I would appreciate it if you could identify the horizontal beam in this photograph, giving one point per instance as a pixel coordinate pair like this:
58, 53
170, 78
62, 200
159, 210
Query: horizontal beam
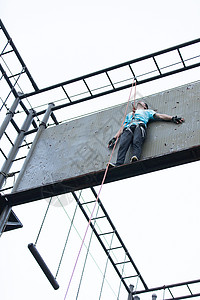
116, 67
95, 178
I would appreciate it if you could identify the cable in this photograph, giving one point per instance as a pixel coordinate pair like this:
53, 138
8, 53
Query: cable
43, 221
104, 275
122, 274
103, 237
90, 241
67, 236
104, 177
89, 252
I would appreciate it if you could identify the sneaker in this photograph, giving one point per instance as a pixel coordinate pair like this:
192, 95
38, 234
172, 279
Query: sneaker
111, 165
133, 159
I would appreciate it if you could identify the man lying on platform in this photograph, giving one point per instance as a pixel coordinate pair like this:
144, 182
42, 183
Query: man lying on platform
134, 129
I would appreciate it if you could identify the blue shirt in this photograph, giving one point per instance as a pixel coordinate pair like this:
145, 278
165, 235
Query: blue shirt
142, 116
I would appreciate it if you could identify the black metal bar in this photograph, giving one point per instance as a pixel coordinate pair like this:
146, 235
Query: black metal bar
184, 297
18, 74
170, 292
189, 289
8, 81
114, 248
66, 94
89, 202
26, 111
123, 262
7, 52
96, 218
133, 73
18, 56
4, 215
2, 52
110, 80
3, 153
26, 145
54, 118
31, 131
126, 277
111, 232
87, 87
6, 189
181, 57
20, 158
157, 65
8, 138
15, 125
43, 266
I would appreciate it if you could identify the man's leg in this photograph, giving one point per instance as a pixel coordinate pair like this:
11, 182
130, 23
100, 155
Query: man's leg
138, 139
125, 141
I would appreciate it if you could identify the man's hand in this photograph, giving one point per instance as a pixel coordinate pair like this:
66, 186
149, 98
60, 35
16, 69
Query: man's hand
177, 120
111, 143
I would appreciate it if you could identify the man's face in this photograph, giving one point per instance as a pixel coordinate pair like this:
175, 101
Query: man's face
141, 104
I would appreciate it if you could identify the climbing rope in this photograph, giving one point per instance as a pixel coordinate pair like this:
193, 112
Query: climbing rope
103, 180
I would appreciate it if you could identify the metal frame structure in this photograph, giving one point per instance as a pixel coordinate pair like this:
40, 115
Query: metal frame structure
90, 86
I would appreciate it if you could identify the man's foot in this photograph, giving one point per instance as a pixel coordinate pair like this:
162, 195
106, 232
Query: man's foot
111, 165
133, 159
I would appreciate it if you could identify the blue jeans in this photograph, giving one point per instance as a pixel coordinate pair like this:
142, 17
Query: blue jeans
135, 136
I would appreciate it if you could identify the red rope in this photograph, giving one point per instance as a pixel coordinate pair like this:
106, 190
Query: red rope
103, 180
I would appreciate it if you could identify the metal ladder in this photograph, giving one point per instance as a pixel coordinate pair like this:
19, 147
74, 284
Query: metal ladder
119, 245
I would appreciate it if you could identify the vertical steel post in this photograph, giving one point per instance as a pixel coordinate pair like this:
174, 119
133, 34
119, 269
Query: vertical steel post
7, 165
9, 116
42, 126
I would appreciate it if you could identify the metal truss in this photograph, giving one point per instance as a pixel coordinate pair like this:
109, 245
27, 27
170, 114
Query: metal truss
113, 79
177, 291
116, 78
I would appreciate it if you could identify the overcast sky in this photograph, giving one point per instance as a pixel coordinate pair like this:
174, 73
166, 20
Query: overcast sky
157, 215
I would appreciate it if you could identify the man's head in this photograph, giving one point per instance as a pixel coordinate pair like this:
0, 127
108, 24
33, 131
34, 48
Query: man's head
141, 105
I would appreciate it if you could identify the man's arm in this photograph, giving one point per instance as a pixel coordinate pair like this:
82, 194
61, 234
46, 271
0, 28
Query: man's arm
119, 132
165, 117
117, 135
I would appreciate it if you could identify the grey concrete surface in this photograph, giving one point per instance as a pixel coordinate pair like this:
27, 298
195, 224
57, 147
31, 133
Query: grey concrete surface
80, 146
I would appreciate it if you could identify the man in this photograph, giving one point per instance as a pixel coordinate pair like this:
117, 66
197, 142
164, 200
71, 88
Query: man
133, 131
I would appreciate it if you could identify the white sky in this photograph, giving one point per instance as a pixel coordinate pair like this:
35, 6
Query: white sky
157, 215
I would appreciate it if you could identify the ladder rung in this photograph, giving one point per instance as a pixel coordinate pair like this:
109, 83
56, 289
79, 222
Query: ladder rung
157, 65
129, 276
106, 233
114, 248
123, 262
18, 74
7, 52
98, 218
88, 202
